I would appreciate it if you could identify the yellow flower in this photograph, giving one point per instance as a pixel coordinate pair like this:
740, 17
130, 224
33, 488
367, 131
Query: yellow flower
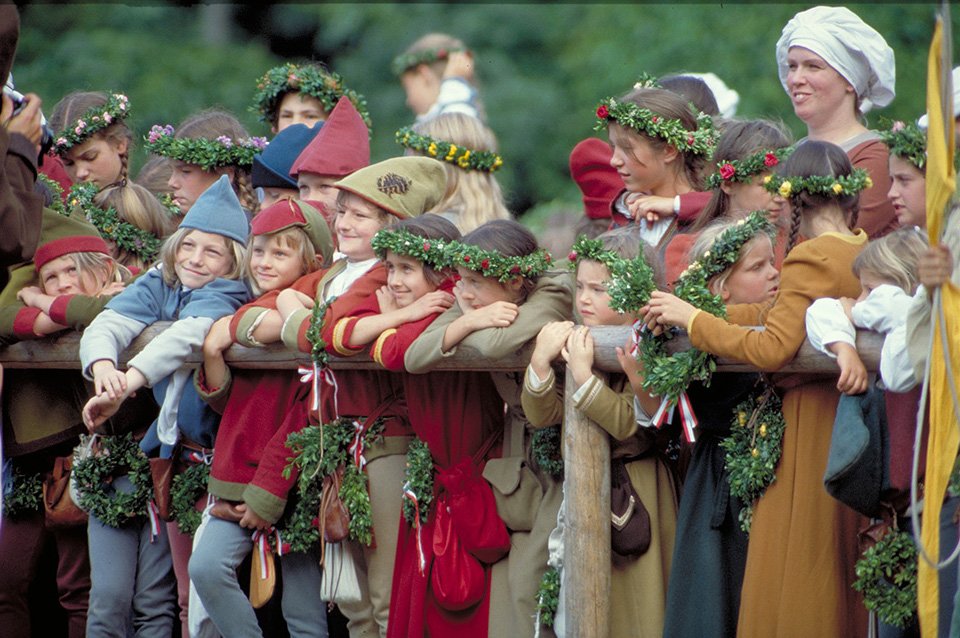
432, 149
452, 152
767, 178
464, 160
837, 188
742, 418
868, 182
785, 189
763, 429
754, 452
497, 163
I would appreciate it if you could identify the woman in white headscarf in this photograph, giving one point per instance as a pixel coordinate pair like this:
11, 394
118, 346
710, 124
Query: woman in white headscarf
835, 67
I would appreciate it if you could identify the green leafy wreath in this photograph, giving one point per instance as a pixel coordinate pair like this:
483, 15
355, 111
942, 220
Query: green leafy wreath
672, 131
906, 140
406, 61
317, 451
56, 194
185, 490
631, 280
459, 156
831, 185
23, 494
403, 242
419, 479
753, 450
743, 170
141, 243
548, 597
887, 578
117, 455
205, 153
93, 120
490, 263
545, 448
314, 334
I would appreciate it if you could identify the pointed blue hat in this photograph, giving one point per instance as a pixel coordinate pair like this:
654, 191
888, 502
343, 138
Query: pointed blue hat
218, 211
271, 168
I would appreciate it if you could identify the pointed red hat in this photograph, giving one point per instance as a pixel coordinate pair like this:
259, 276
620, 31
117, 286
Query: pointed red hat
341, 147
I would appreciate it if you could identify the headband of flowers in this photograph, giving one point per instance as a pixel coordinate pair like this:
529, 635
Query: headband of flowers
631, 280
742, 170
647, 81
309, 79
724, 252
490, 263
91, 121
642, 120
402, 242
833, 186
449, 152
407, 61
205, 153
908, 141
56, 194
125, 235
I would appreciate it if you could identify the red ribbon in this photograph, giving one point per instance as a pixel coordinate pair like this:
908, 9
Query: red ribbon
409, 495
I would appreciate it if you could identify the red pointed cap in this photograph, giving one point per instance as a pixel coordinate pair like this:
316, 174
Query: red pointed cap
341, 147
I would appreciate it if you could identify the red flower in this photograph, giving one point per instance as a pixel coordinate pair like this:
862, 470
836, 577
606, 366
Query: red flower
484, 264
548, 258
466, 259
603, 112
727, 171
426, 246
770, 160
654, 119
515, 270
690, 140
572, 256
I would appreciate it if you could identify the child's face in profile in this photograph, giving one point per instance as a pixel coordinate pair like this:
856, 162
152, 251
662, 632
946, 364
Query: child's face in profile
422, 87
356, 223
61, 276
478, 291
869, 281
907, 192
642, 167
593, 300
188, 181
201, 258
754, 279
406, 279
274, 263
299, 108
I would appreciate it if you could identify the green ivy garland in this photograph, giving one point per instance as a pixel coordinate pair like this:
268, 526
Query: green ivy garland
887, 578
205, 153
93, 120
141, 243
742, 170
832, 185
418, 476
545, 448
753, 450
185, 490
459, 156
403, 242
631, 280
490, 263
407, 61
642, 120
314, 334
56, 194
118, 455
907, 140
22, 494
548, 597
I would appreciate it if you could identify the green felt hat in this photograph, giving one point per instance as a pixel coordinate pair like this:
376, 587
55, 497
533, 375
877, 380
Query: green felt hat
403, 186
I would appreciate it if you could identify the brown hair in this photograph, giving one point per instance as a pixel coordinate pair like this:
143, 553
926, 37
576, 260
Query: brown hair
434, 41
430, 226
509, 238
154, 175
627, 244
693, 90
70, 108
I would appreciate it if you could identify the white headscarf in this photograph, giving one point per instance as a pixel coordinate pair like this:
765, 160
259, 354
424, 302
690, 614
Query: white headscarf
727, 99
848, 44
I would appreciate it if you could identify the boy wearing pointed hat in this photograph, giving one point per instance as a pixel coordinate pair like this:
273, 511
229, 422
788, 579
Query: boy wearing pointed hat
271, 168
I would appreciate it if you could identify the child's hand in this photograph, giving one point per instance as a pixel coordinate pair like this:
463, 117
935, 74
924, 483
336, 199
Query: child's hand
935, 267
665, 309
97, 410
847, 304
550, 341
29, 295
853, 375
107, 379
388, 303
218, 339
649, 207
579, 354
251, 520
429, 304
113, 288
499, 314
631, 366
290, 300
459, 65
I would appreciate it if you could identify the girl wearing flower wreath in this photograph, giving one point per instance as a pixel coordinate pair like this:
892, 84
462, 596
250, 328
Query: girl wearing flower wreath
504, 297
437, 74
92, 139
710, 552
42, 415
660, 148
203, 148
746, 152
908, 173
835, 67
803, 545
469, 153
302, 94
260, 409
638, 581
196, 282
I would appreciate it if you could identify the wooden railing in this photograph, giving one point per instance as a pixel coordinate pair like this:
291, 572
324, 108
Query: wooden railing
586, 445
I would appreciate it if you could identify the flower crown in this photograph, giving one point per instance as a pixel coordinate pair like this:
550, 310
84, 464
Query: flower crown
831, 185
407, 61
205, 153
699, 142
464, 158
491, 263
402, 242
631, 280
647, 81
56, 192
308, 79
91, 121
743, 170
141, 243
908, 141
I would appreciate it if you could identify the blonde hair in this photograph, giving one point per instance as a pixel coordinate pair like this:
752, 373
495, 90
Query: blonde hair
211, 124
168, 256
101, 266
473, 196
69, 109
139, 207
704, 242
295, 239
894, 258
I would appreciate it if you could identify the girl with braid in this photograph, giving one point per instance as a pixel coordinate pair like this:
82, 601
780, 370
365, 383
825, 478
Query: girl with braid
92, 140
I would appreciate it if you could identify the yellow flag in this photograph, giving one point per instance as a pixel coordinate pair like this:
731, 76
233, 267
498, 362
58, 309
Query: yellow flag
944, 437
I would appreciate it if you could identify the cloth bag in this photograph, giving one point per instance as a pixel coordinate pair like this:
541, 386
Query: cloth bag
333, 515
457, 578
59, 508
630, 532
340, 582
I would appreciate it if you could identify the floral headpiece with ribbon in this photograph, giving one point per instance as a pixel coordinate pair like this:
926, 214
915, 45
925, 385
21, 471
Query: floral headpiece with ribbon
408, 61
834, 186
490, 263
309, 79
205, 153
91, 121
907, 140
642, 120
125, 235
742, 170
431, 252
449, 152
631, 280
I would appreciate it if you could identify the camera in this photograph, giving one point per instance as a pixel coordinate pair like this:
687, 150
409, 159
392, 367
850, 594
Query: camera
46, 133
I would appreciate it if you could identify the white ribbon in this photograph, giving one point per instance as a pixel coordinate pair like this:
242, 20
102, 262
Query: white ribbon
408, 494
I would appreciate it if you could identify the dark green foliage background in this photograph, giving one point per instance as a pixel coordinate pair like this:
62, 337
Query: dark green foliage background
542, 67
